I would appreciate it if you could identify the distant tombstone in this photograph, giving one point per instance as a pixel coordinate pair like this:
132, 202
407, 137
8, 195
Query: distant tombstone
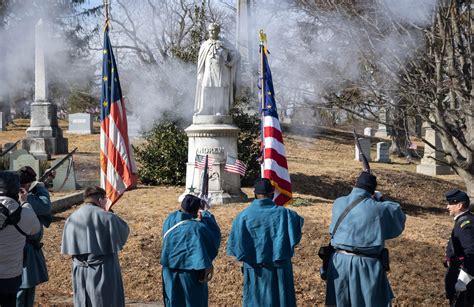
133, 123
26, 160
382, 131
13, 155
65, 179
429, 164
365, 146
80, 123
383, 154
2, 121
368, 131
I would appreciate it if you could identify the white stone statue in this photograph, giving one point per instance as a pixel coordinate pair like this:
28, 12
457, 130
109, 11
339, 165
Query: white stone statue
217, 74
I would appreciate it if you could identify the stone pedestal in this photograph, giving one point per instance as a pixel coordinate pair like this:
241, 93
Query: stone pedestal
215, 136
44, 137
428, 165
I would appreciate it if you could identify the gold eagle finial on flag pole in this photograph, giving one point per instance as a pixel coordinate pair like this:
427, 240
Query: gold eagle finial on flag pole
263, 36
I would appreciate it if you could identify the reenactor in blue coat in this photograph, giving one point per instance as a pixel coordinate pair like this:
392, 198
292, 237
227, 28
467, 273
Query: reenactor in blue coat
191, 239
264, 237
356, 274
35, 271
460, 251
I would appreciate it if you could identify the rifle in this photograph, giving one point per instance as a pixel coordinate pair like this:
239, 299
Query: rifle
204, 195
48, 172
9, 148
365, 162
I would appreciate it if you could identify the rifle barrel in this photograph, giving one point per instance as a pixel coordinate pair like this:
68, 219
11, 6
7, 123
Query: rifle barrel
7, 150
57, 165
365, 162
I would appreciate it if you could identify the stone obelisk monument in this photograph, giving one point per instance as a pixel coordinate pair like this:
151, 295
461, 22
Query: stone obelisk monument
212, 132
244, 42
43, 137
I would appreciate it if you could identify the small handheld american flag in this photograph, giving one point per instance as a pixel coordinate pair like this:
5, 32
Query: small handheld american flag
200, 161
234, 165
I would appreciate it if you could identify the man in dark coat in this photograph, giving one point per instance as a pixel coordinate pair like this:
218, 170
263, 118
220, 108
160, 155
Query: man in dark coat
35, 270
460, 251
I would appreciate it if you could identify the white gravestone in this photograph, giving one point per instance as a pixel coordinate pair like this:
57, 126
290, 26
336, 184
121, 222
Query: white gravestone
14, 154
382, 131
383, 152
134, 127
65, 179
428, 165
26, 160
368, 131
80, 123
365, 146
2, 121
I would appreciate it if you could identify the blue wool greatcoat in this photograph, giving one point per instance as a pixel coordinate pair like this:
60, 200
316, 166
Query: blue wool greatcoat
361, 280
34, 264
188, 248
94, 237
263, 237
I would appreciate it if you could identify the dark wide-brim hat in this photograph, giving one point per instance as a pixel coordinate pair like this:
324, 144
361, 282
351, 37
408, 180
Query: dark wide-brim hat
263, 186
367, 181
455, 196
191, 203
9, 184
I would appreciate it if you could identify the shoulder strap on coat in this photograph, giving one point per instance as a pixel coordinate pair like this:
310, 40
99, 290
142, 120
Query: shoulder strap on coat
174, 227
346, 211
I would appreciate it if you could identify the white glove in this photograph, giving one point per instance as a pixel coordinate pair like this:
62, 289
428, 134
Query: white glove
460, 286
378, 196
463, 279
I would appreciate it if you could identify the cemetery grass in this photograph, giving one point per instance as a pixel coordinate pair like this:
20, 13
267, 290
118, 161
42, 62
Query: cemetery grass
322, 168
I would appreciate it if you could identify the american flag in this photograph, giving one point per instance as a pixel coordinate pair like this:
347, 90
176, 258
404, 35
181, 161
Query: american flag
200, 161
234, 165
117, 164
274, 165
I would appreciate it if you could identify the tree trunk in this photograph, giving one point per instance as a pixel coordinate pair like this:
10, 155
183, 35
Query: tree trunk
469, 182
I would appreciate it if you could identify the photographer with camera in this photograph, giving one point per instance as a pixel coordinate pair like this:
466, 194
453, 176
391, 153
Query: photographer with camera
361, 222
191, 239
35, 270
17, 221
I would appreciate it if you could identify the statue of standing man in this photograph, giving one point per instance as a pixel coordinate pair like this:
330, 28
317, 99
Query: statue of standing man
217, 71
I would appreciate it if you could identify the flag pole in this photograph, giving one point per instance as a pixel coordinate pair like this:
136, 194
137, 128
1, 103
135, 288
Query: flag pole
106, 6
263, 39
